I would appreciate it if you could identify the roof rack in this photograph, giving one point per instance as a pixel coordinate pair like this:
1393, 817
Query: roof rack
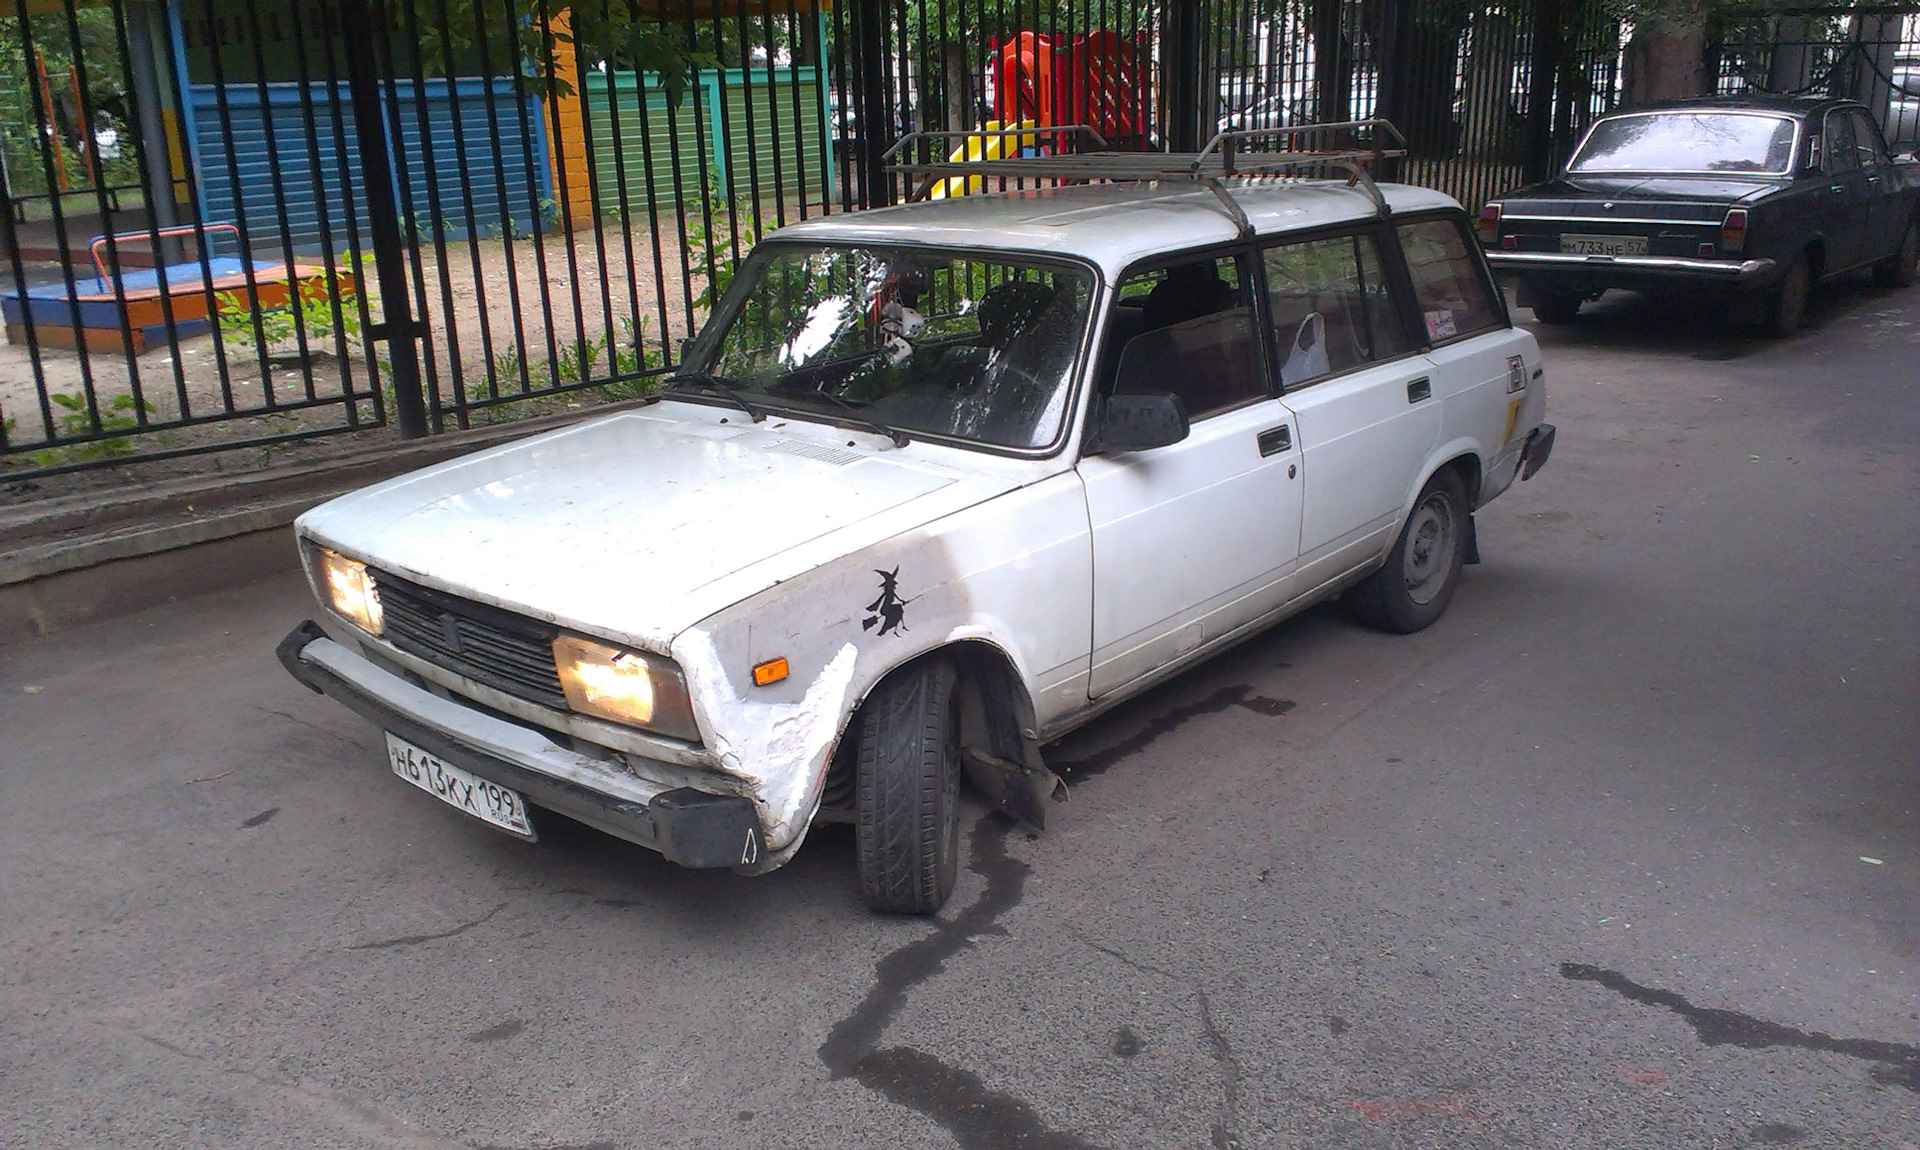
1225, 156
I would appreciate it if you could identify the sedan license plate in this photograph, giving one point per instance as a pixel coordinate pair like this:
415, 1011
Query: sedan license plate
489, 802
1579, 245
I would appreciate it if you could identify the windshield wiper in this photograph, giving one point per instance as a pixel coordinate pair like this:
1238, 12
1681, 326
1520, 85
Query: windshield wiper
702, 383
854, 415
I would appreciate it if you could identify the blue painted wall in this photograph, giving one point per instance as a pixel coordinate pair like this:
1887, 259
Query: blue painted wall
499, 151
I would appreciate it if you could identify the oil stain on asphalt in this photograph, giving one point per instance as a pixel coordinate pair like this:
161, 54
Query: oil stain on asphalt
1898, 1063
980, 1118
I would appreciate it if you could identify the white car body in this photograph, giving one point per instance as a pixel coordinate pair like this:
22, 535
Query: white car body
685, 529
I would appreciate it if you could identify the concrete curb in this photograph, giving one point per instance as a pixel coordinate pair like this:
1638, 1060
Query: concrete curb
74, 559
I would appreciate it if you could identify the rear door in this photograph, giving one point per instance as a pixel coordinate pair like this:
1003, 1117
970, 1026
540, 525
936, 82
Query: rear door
1847, 193
1352, 374
1886, 205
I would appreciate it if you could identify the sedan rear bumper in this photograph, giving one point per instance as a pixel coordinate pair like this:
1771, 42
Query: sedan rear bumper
1630, 268
690, 827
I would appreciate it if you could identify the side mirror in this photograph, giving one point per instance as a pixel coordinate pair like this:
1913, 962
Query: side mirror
1138, 422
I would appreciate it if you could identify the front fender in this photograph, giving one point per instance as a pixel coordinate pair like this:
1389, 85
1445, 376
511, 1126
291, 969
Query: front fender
1014, 573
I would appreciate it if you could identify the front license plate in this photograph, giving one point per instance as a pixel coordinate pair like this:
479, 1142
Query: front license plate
489, 802
1577, 245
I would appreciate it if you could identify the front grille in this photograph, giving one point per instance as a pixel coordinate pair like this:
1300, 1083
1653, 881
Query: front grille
505, 651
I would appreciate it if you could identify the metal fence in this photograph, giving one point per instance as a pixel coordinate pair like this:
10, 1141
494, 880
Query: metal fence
242, 223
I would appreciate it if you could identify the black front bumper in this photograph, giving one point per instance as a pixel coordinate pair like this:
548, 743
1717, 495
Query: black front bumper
690, 827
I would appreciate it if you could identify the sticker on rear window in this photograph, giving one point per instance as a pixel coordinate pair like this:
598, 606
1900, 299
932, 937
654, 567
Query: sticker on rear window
1440, 323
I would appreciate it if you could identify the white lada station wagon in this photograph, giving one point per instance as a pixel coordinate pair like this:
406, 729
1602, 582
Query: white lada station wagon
934, 485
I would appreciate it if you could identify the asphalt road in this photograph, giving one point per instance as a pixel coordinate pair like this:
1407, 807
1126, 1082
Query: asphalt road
1621, 853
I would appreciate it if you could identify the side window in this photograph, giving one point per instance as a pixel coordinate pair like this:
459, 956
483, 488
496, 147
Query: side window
1186, 328
1453, 293
1866, 140
1332, 308
1841, 156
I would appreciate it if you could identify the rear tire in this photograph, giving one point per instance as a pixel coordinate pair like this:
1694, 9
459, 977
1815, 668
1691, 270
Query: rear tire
1555, 308
1787, 302
1897, 270
1414, 587
907, 790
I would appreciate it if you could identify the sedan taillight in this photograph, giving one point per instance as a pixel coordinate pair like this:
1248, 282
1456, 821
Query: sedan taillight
1490, 222
1733, 231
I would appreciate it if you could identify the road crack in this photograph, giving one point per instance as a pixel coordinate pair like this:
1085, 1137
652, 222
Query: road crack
416, 939
1226, 1128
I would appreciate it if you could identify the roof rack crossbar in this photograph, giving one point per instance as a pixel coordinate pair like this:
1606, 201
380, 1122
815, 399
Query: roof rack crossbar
1224, 156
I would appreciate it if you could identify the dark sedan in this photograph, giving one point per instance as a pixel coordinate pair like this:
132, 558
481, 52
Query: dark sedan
1755, 199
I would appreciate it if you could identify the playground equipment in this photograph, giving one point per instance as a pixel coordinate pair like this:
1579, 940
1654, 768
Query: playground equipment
118, 306
1039, 82
991, 142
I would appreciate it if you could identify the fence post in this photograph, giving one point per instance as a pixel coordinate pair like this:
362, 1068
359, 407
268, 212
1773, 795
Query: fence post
870, 102
397, 327
1189, 120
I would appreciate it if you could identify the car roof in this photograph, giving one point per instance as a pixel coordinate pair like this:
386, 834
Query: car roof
1116, 224
1754, 102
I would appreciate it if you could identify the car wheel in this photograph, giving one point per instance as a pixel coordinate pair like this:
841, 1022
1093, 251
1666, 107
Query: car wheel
907, 790
1787, 304
1897, 270
1422, 570
1555, 308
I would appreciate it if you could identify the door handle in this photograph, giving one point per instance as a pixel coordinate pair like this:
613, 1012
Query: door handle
1836, 189
1419, 389
1274, 440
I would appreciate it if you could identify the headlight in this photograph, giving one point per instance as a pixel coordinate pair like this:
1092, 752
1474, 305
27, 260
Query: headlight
349, 590
625, 686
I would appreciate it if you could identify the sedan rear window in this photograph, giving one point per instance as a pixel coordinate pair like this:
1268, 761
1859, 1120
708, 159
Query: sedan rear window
1687, 142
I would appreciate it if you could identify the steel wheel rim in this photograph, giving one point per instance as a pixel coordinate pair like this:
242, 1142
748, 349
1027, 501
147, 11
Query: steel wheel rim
1431, 543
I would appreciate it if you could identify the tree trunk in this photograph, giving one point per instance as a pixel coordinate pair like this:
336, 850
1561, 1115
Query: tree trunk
1487, 114
1663, 58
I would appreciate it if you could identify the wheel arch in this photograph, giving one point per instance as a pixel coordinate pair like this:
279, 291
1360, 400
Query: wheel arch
1816, 253
1463, 457
998, 711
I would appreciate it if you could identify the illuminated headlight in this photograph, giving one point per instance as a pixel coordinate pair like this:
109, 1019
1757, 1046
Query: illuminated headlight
626, 686
349, 590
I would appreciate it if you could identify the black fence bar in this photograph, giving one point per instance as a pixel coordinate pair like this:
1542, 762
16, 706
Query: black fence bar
396, 327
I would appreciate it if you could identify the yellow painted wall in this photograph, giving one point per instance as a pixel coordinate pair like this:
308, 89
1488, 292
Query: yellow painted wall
566, 140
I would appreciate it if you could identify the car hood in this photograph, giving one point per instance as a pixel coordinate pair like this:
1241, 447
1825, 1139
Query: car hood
1705, 196
641, 524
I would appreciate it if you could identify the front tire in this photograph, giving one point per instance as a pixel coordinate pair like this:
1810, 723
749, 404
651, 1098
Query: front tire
1414, 587
1787, 303
1897, 270
907, 790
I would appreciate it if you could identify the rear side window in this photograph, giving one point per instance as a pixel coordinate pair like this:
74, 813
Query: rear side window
1452, 292
1331, 306
1866, 140
1186, 328
1841, 156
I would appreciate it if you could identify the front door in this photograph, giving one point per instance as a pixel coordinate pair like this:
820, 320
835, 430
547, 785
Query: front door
1193, 540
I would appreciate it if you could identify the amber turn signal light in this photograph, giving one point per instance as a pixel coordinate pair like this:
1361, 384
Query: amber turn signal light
770, 672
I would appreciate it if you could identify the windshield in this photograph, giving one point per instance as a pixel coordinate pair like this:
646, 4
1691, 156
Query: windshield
1687, 142
973, 347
